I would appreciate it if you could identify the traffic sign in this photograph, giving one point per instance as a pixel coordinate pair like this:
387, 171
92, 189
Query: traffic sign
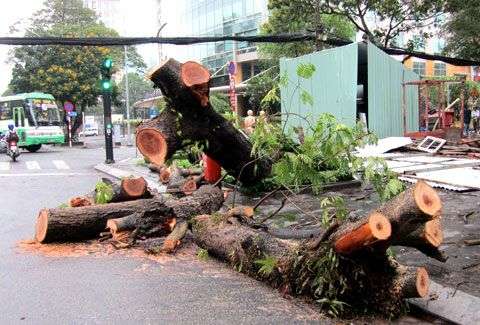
68, 106
232, 68
72, 114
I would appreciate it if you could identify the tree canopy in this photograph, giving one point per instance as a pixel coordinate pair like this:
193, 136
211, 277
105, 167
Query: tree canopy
138, 87
463, 29
301, 16
68, 73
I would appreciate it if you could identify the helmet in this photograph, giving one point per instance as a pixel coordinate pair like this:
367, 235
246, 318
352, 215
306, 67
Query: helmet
11, 127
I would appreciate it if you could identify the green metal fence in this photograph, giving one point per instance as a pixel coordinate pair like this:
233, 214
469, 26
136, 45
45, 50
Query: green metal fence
333, 86
385, 95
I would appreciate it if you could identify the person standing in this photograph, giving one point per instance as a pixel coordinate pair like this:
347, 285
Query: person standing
467, 118
476, 119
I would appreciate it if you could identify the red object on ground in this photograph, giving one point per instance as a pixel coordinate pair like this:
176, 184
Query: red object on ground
448, 119
213, 170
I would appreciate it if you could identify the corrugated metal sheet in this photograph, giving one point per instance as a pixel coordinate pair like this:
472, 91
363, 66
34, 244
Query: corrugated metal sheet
385, 78
333, 86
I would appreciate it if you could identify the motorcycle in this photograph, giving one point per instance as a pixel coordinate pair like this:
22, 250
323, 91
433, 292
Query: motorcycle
12, 149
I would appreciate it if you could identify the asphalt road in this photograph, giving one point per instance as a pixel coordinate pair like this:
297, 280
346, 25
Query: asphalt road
40, 289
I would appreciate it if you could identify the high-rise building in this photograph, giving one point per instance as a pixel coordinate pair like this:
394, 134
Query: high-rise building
220, 18
107, 10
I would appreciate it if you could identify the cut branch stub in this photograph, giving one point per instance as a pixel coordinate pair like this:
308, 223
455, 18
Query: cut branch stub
134, 187
358, 235
197, 78
411, 209
414, 282
152, 144
159, 138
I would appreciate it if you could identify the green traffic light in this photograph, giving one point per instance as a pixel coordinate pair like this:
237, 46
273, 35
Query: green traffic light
106, 85
107, 63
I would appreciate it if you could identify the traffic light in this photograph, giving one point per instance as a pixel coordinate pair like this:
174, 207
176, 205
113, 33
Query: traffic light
106, 83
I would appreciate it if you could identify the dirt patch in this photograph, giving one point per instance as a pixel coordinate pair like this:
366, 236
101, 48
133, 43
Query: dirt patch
97, 249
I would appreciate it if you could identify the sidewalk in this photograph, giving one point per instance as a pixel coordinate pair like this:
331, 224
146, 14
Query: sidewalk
132, 167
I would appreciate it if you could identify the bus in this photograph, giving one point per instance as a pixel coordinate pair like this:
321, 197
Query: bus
36, 117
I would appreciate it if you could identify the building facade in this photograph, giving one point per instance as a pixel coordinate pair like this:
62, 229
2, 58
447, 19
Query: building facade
107, 10
430, 68
220, 18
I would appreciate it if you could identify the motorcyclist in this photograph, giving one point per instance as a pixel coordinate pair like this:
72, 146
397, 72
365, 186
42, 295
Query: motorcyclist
10, 134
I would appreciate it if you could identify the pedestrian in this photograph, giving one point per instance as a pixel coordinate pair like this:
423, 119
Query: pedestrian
476, 119
249, 123
467, 118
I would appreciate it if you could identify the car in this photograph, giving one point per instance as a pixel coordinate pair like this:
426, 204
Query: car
90, 131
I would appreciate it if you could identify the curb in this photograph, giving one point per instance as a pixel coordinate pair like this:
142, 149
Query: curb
450, 304
120, 173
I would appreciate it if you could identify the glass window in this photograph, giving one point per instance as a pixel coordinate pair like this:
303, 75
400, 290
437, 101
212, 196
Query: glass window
439, 69
227, 10
5, 112
237, 8
419, 68
249, 7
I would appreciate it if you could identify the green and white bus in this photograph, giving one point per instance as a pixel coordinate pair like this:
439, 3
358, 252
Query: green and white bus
36, 118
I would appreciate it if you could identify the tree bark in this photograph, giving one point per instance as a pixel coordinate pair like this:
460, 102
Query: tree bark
159, 138
128, 189
199, 122
370, 279
74, 224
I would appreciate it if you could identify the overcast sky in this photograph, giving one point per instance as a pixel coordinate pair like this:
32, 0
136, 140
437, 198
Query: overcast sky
139, 18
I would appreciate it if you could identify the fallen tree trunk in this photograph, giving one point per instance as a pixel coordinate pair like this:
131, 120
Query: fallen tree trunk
74, 224
184, 86
364, 280
343, 262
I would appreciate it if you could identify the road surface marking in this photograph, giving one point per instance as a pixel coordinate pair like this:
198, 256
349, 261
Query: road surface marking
4, 165
44, 174
60, 164
32, 164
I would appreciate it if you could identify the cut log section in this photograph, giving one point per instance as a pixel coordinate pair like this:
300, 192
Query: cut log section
159, 138
410, 209
427, 239
223, 142
413, 282
353, 237
197, 78
173, 240
80, 201
123, 224
74, 224
131, 189
128, 189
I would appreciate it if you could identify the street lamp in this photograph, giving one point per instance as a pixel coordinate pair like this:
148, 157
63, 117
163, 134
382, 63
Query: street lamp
160, 45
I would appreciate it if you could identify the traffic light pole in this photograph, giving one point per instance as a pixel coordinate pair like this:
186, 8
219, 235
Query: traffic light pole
107, 118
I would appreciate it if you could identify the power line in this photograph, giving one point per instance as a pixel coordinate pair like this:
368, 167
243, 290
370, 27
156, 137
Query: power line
280, 38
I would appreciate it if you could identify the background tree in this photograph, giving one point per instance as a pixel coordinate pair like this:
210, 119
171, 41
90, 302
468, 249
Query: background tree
463, 29
301, 16
68, 73
383, 20
139, 88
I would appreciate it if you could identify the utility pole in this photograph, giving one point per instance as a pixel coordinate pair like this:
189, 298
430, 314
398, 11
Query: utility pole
106, 85
127, 98
160, 46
